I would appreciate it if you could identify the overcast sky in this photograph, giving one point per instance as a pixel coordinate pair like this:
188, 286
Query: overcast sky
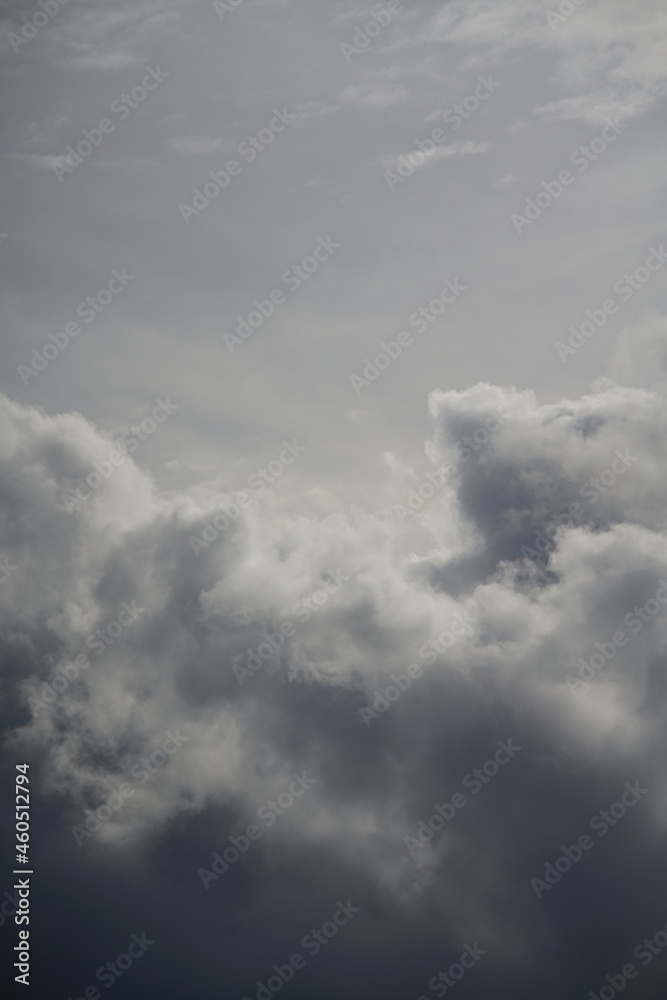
349, 464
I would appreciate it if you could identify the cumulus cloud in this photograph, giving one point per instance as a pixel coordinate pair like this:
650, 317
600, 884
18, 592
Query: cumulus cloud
537, 584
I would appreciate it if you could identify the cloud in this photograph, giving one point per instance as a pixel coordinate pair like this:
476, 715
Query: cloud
109, 39
376, 96
452, 151
504, 181
534, 618
609, 55
39, 161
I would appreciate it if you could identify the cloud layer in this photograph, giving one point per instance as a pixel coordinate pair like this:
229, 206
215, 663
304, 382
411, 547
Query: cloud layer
548, 537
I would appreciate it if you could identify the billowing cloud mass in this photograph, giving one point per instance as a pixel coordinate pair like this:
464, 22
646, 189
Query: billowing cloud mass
268, 646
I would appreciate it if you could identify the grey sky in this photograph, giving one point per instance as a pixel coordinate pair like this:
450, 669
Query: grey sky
412, 340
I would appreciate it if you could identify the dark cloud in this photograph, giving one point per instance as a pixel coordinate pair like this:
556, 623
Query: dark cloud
170, 669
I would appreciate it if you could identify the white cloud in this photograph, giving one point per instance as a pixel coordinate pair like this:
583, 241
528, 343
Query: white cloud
375, 95
610, 55
452, 151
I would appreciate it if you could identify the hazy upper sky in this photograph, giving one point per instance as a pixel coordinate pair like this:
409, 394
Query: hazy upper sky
322, 176
427, 295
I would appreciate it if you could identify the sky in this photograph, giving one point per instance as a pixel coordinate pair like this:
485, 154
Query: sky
333, 547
